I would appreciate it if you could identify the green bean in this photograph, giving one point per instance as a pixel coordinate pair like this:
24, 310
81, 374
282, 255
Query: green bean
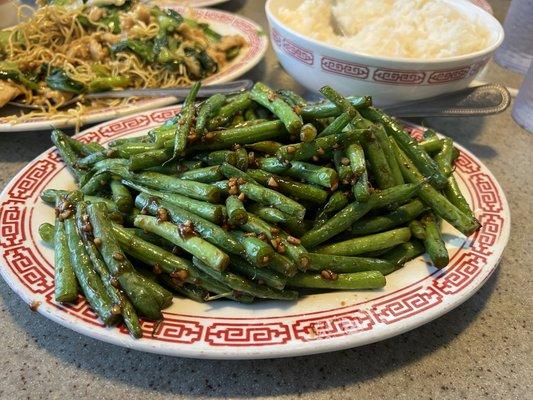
297, 190
249, 114
242, 159
237, 104
318, 175
151, 237
239, 283
237, 215
164, 133
275, 216
157, 257
292, 98
249, 134
336, 202
343, 264
266, 146
215, 158
66, 285
356, 155
119, 266
223, 186
339, 100
307, 150
354, 211
283, 265
192, 244
127, 150
327, 109
268, 98
388, 151
431, 143
380, 223
231, 172
237, 120
152, 254
149, 159
186, 121
454, 195
205, 175
207, 230
50, 195
46, 233
96, 183
67, 153
272, 198
121, 196
279, 239
259, 275
195, 190
416, 154
440, 205
89, 281
119, 299
211, 212
91, 159
308, 132
342, 165
404, 252
110, 164
348, 111
188, 290
348, 281
378, 163
208, 110
433, 242
273, 165
186, 165
258, 253
417, 229
365, 244
83, 148
128, 140
160, 294
361, 189
444, 157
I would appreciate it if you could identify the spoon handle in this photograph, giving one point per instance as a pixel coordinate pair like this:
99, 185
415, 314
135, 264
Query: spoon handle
486, 99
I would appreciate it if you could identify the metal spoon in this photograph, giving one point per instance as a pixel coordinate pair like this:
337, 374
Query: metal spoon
335, 24
486, 99
178, 92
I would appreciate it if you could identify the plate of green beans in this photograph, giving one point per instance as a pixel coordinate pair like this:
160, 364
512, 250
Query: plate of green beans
252, 225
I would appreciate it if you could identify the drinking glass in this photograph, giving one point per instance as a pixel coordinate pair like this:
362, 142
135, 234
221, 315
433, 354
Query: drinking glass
516, 51
523, 107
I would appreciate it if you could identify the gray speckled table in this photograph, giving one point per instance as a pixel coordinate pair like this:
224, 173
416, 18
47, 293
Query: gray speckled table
482, 349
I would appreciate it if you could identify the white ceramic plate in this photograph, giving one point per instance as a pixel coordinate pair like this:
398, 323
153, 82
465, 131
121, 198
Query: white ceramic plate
222, 22
318, 323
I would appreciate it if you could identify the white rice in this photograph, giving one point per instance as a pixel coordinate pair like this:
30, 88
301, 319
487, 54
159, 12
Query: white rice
420, 29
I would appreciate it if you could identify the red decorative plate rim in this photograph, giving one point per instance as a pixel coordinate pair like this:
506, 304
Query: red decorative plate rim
258, 44
30, 275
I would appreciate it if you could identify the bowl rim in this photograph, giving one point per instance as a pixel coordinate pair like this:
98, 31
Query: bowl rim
400, 60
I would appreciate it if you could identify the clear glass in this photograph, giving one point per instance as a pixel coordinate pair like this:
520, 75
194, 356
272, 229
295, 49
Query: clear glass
523, 107
516, 51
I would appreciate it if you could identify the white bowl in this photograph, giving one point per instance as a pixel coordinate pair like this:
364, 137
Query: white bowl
388, 80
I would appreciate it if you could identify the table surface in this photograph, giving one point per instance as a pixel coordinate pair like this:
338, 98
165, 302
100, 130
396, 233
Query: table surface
482, 349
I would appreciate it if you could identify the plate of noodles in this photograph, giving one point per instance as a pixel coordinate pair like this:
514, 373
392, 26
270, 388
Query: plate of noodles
66, 49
